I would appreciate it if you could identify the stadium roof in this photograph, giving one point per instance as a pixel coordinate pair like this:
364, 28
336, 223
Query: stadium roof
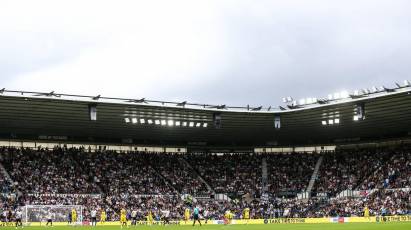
32, 115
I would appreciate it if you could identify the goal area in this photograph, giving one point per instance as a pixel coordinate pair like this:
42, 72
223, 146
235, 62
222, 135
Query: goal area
58, 213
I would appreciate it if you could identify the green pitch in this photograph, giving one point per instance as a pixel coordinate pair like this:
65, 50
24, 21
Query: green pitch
346, 226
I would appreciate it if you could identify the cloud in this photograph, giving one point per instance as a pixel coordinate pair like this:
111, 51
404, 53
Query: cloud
234, 52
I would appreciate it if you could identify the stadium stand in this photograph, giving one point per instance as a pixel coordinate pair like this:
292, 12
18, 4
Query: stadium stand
235, 174
111, 180
44, 171
394, 173
123, 173
177, 174
347, 169
288, 181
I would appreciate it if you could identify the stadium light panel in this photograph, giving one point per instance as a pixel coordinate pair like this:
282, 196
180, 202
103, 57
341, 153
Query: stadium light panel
92, 108
198, 124
157, 122
142, 121
170, 123
336, 96
337, 120
150, 121
344, 94
191, 124
324, 122
134, 120
184, 123
331, 122
163, 122
205, 125
284, 99
178, 123
127, 120
355, 118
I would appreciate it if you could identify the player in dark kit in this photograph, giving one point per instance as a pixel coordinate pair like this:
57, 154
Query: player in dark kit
196, 216
69, 218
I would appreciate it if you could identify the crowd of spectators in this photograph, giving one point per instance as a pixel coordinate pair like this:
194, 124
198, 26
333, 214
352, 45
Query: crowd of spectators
156, 181
291, 172
236, 174
395, 173
123, 173
43, 171
344, 170
173, 168
379, 203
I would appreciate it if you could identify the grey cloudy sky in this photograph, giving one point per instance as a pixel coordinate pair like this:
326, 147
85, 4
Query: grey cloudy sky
225, 52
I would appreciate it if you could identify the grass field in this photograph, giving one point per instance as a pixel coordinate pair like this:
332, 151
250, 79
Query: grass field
346, 226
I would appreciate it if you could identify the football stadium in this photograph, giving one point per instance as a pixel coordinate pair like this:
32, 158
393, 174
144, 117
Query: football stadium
76, 160
215, 115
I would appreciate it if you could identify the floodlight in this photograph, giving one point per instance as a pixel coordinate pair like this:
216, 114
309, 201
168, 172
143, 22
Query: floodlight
331, 122
344, 94
302, 101
191, 124
184, 123
336, 95
309, 100
406, 83
198, 124
150, 121
134, 120
356, 93
284, 99
337, 120
374, 89
289, 99
92, 108
142, 121
355, 118
205, 125
170, 123
330, 96
324, 122
127, 120
163, 122
157, 122
178, 123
